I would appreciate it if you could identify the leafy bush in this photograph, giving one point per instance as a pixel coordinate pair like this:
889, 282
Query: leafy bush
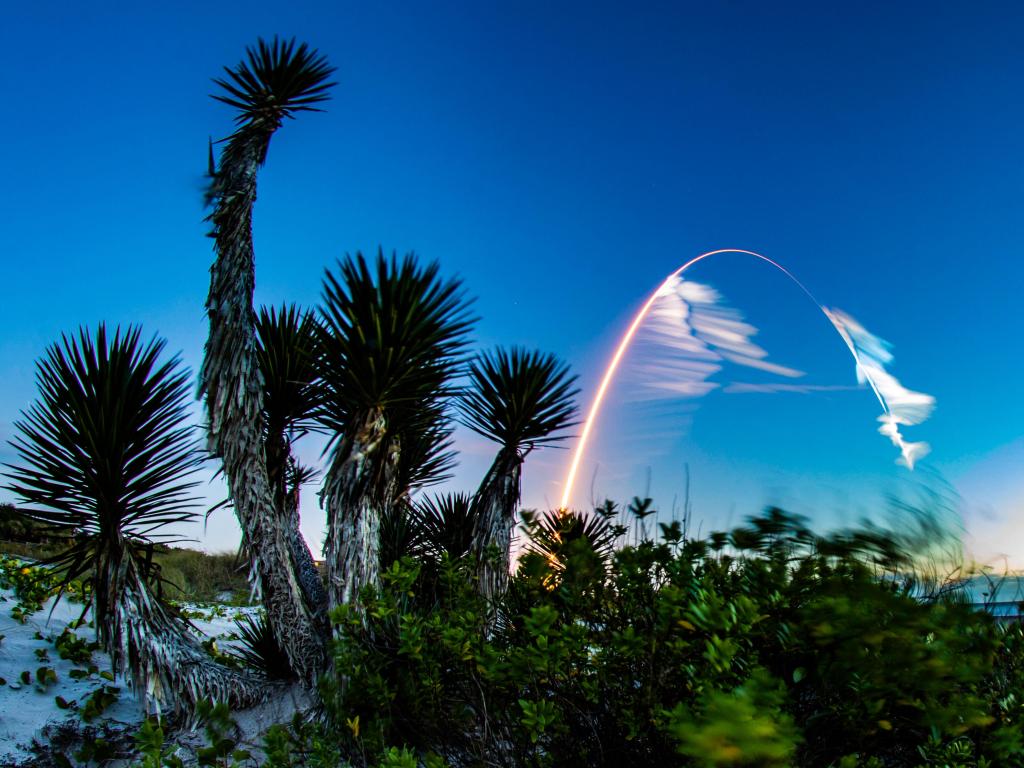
189, 574
16, 527
33, 585
792, 650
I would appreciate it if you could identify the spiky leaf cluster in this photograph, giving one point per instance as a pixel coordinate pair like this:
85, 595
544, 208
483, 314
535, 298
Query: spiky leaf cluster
446, 521
276, 80
427, 456
519, 399
259, 650
286, 352
555, 533
391, 341
106, 453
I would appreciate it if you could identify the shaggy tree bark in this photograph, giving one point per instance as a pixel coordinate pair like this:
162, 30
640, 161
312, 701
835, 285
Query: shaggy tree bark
308, 574
496, 503
230, 380
153, 649
356, 488
281, 472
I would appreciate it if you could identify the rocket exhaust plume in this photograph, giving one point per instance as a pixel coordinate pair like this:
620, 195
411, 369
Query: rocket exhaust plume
900, 406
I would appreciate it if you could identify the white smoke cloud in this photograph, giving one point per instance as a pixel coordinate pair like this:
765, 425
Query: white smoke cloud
902, 407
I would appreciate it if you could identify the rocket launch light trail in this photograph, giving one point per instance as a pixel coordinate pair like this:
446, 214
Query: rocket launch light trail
889, 422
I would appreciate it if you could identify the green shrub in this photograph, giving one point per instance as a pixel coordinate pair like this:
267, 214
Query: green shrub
793, 650
191, 575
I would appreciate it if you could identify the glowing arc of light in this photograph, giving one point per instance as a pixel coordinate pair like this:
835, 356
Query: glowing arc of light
620, 351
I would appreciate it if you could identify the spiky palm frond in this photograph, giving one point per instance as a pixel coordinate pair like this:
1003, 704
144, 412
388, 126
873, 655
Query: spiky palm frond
425, 438
106, 453
519, 399
554, 535
390, 337
286, 352
276, 80
300, 474
446, 521
400, 535
259, 650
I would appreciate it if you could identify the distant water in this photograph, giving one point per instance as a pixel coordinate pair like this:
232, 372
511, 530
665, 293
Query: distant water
1001, 595
999, 589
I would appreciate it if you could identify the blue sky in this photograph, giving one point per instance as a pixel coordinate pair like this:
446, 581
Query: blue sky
562, 159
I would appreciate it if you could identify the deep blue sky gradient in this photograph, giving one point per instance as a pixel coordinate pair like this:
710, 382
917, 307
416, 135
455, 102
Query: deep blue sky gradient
561, 158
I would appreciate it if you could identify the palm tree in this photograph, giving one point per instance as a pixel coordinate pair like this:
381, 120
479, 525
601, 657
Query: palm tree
519, 400
106, 462
391, 340
286, 354
276, 81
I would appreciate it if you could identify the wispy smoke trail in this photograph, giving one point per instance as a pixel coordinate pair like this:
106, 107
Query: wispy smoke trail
901, 406
727, 337
740, 387
694, 333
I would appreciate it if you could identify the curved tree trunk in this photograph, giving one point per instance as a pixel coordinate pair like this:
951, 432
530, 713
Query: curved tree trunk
355, 490
230, 381
308, 575
285, 487
496, 503
164, 661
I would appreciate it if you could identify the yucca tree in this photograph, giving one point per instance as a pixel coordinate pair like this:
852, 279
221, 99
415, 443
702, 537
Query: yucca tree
520, 400
106, 460
287, 357
276, 81
391, 342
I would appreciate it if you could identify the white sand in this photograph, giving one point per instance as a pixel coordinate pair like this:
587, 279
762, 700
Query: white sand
24, 710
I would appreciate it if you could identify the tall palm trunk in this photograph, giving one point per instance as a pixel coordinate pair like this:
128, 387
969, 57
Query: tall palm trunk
308, 574
231, 382
496, 503
153, 648
357, 487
